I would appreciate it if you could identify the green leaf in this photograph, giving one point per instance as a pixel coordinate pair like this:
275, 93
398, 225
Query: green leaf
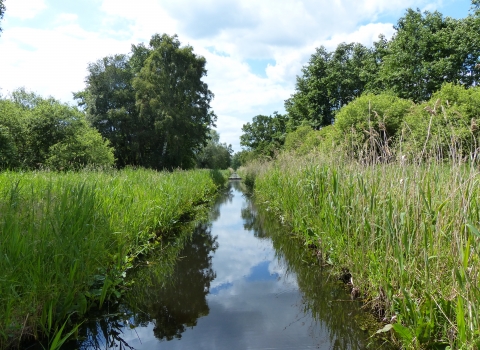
403, 332
473, 230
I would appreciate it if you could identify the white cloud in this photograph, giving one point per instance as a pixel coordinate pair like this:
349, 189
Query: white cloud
53, 60
146, 17
365, 35
24, 9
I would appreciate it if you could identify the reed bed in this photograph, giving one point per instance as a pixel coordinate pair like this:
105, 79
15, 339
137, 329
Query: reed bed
67, 240
406, 236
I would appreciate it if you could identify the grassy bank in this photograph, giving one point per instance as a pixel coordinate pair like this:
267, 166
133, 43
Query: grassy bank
408, 235
67, 240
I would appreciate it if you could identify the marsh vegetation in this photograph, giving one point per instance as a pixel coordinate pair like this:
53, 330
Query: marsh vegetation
68, 240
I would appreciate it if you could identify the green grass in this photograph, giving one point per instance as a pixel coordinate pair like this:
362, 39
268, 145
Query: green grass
67, 240
409, 234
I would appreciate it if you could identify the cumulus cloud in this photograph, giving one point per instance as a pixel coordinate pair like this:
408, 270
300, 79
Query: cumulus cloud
51, 61
51, 57
24, 9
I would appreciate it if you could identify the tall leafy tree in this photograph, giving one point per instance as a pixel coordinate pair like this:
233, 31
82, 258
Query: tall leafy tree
174, 102
428, 50
109, 102
152, 104
329, 81
265, 135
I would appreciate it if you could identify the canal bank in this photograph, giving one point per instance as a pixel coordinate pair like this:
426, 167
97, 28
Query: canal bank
240, 282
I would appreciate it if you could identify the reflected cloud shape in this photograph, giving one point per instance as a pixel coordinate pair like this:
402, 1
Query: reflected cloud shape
241, 283
261, 272
217, 289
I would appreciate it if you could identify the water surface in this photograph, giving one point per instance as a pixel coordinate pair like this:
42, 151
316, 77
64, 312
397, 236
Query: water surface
240, 282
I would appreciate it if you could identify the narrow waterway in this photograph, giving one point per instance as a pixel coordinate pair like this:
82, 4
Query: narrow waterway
239, 283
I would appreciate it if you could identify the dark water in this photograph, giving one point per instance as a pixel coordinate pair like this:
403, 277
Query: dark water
240, 283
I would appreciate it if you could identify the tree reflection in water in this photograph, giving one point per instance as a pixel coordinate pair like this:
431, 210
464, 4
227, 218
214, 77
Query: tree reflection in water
178, 303
323, 296
170, 294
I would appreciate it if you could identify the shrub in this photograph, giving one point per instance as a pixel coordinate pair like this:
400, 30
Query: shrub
295, 139
445, 126
370, 124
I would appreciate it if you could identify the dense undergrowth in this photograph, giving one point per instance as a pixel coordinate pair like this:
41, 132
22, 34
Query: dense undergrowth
67, 240
408, 234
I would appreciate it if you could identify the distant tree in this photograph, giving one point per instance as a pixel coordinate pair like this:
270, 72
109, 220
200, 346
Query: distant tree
215, 155
329, 81
265, 135
25, 99
236, 161
174, 102
428, 50
2, 12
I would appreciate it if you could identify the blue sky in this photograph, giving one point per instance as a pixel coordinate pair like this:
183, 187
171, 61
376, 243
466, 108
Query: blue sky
254, 48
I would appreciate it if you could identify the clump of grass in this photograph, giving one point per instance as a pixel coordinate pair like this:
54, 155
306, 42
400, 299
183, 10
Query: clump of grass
67, 240
408, 234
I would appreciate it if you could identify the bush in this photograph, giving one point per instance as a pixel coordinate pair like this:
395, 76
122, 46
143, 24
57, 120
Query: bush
37, 132
295, 139
445, 126
303, 140
369, 125
86, 148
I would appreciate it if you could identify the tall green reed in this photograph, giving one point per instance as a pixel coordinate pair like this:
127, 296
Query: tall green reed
407, 233
67, 240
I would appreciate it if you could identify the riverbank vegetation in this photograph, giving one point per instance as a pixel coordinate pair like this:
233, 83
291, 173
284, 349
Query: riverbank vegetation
407, 235
68, 239
74, 214
376, 169
124, 116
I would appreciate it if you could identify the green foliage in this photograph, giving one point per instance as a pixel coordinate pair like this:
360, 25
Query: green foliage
86, 148
69, 238
39, 132
295, 139
8, 149
265, 135
109, 102
446, 126
329, 81
404, 231
215, 155
305, 140
151, 105
370, 124
171, 95
242, 158
428, 50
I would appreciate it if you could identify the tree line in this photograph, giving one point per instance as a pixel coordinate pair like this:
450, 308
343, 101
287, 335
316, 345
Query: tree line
149, 108
427, 51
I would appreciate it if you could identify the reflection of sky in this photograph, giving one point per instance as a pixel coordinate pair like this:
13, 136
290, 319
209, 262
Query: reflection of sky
239, 251
253, 303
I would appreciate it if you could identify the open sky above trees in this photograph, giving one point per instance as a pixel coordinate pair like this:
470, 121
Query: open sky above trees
253, 49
